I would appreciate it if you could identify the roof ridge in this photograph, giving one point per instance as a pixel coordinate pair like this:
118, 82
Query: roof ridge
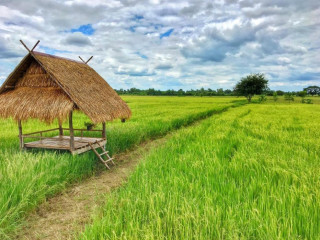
54, 56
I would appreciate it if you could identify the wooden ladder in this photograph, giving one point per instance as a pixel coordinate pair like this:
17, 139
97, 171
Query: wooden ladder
100, 155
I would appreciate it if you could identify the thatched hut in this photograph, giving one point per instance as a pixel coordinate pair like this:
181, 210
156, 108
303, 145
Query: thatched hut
48, 87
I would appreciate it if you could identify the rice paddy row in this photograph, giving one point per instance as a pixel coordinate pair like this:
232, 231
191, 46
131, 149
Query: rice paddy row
28, 178
249, 173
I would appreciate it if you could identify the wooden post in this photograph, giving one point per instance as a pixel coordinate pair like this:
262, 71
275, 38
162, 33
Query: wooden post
60, 130
71, 132
20, 135
104, 130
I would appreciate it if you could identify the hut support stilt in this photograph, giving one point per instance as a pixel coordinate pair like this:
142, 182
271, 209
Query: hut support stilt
71, 132
60, 129
20, 135
104, 130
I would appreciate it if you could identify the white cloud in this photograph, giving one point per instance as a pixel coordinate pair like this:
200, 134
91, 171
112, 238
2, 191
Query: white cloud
213, 44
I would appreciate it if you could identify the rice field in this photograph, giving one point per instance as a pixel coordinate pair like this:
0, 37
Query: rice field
28, 178
249, 173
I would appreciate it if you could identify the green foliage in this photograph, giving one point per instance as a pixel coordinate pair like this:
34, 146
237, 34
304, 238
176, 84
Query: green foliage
307, 101
289, 97
89, 124
312, 90
249, 173
28, 178
198, 92
275, 96
302, 94
280, 93
262, 98
251, 85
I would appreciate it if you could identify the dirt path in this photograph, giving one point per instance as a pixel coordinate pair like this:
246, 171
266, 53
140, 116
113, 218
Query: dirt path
66, 214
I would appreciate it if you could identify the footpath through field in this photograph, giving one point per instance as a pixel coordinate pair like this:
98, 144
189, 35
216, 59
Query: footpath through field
65, 215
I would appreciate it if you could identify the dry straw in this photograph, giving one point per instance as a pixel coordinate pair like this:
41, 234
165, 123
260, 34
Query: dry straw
47, 87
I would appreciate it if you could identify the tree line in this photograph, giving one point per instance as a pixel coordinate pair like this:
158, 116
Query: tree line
311, 90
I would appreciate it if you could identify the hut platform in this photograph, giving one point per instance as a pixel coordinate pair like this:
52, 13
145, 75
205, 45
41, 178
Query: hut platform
80, 144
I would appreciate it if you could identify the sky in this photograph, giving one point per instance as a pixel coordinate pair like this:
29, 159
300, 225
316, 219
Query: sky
175, 44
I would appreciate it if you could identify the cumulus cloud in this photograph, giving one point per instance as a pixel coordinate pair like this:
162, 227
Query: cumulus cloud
171, 44
77, 39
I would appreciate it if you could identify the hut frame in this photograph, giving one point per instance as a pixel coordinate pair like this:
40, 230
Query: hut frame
76, 144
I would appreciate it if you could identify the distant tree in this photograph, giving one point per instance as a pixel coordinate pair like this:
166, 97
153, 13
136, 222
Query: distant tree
262, 98
251, 85
275, 96
302, 94
289, 97
220, 92
280, 93
269, 92
227, 92
180, 92
312, 90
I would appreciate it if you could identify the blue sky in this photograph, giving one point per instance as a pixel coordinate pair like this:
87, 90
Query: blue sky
171, 44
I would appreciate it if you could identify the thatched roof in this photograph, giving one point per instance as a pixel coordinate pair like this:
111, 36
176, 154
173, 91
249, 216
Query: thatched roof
47, 87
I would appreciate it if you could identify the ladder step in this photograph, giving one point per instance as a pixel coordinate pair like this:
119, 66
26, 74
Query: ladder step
108, 160
105, 162
104, 153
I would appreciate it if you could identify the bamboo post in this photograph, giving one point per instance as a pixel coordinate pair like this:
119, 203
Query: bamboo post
20, 135
104, 130
71, 132
60, 129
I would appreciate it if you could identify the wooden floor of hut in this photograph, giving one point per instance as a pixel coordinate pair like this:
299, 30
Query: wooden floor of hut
81, 144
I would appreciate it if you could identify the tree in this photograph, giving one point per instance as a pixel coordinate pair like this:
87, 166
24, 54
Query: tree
251, 85
275, 96
302, 94
280, 93
312, 90
289, 97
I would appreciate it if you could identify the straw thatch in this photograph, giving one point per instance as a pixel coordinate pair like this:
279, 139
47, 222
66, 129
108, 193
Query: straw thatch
47, 87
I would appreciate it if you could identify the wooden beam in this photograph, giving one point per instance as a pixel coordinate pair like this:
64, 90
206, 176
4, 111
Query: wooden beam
60, 129
82, 60
104, 136
25, 46
71, 132
20, 135
89, 59
35, 46
43, 131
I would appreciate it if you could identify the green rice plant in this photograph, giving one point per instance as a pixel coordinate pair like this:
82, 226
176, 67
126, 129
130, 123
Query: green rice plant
27, 178
249, 173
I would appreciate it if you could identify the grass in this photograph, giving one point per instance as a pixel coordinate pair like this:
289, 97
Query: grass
249, 173
28, 178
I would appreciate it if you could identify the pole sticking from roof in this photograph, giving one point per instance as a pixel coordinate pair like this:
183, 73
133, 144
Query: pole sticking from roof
35, 45
87, 60
27, 47
82, 60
